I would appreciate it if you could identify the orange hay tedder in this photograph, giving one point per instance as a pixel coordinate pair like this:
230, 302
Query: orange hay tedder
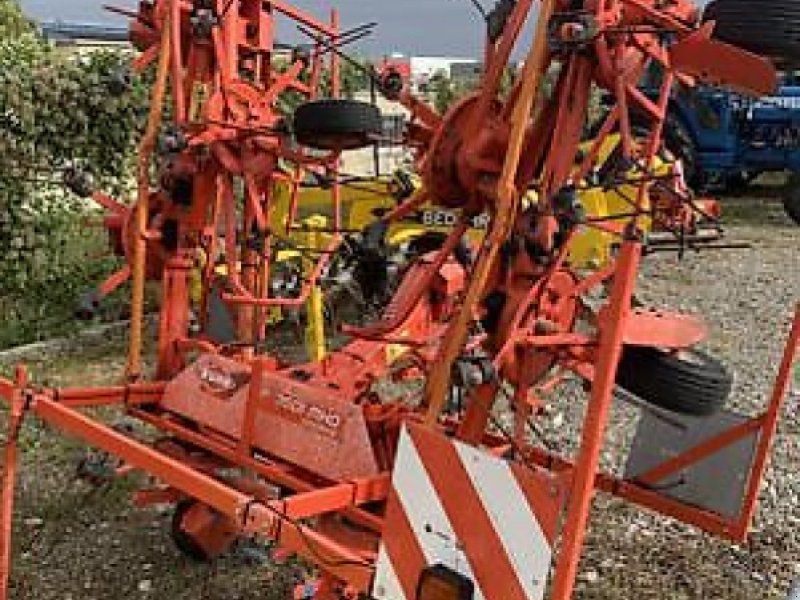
434, 491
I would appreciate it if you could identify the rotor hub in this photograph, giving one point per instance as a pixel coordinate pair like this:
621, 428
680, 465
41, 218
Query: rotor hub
460, 168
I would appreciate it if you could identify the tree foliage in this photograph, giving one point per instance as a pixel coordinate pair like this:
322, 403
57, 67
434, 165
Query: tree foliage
56, 111
12, 22
60, 111
444, 91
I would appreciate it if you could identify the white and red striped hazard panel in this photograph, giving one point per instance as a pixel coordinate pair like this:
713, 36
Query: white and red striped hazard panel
490, 520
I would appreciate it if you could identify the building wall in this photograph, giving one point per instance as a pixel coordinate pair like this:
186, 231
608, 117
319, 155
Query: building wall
88, 46
80, 38
391, 156
425, 67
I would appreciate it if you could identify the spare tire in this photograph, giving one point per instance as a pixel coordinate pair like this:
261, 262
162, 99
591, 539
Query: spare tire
767, 27
688, 381
337, 124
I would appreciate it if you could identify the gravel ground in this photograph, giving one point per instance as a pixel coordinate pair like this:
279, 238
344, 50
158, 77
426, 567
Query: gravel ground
748, 298
77, 542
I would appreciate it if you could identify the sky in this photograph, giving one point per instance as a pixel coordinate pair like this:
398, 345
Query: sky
439, 27
421, 27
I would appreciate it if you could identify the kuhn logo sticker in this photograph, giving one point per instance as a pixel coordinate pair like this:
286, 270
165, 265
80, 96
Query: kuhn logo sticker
219, 382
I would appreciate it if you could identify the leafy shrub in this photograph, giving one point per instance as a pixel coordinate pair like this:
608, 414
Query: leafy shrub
60, 111
57, 111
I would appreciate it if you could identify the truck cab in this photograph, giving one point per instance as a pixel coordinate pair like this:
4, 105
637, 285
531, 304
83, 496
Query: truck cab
726, 139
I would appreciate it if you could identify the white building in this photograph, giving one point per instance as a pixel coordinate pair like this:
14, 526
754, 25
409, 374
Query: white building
425, 67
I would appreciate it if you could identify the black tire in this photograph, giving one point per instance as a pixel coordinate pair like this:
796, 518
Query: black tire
688, 382
738, 183
766, 27
791, 198
337, 124
184, 542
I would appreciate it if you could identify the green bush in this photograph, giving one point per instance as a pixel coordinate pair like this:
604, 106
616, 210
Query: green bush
57, 111
60, 111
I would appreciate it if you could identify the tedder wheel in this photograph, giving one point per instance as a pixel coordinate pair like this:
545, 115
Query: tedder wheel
215, 535
337, 124
767, 27
791, 198
688, 381
183, 541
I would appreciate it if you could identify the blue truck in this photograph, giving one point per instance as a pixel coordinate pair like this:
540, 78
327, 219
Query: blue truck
725, 139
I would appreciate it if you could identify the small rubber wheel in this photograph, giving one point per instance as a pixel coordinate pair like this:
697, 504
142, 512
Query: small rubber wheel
791, 198
337, 124
690, 382
184, 542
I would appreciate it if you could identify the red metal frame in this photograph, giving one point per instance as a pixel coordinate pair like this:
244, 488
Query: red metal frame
277, 518
213, 403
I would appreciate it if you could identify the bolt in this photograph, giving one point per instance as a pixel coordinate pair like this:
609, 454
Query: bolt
573, 32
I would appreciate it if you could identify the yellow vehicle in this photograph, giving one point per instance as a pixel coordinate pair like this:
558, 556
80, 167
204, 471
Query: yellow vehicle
365, 200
